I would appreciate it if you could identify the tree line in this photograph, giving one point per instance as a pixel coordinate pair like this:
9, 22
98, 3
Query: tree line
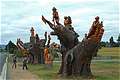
12, 48
111, 42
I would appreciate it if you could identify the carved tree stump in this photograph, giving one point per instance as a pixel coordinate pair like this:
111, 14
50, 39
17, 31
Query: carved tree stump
76, 56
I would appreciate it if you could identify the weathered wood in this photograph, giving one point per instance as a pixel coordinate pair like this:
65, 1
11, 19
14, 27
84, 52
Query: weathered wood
76, 56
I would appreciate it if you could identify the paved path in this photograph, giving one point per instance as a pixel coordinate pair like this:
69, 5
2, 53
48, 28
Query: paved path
19, 74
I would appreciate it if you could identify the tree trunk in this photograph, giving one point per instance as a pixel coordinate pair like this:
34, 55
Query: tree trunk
77, 60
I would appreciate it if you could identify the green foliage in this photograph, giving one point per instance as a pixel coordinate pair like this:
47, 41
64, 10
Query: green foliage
111, 40
2, 50
18, 53
11, 47
54, 51
118, 38
103, 44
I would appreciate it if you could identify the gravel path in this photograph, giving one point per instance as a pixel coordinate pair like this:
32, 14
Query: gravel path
19, 74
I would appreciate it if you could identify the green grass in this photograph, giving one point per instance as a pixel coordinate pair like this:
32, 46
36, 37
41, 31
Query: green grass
101, 70
44, 73
113, 52
106, 70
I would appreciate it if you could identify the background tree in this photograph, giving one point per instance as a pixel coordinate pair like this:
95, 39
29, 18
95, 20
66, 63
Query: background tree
102, 44
111, 40
118, 40
11, 47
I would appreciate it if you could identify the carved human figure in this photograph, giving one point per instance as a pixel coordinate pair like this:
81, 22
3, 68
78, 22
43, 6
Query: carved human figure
65, 21
19, 41
72, 52
32, 32
47, 56
37, 38
68, 21
94, 28
55, 16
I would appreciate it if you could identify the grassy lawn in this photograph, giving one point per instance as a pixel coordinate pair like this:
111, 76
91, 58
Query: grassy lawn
113, 52
101, 70
106, 70
44, 73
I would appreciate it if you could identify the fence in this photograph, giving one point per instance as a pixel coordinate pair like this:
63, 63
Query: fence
4, 64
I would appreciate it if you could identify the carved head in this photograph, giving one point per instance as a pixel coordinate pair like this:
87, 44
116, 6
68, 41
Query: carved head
32, 31
97, 18
54, 9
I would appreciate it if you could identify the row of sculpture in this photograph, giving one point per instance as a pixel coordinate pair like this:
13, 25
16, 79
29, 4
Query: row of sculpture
96, 28
76, 55
37, 51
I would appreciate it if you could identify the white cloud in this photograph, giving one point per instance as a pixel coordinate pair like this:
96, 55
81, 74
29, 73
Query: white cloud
17, 19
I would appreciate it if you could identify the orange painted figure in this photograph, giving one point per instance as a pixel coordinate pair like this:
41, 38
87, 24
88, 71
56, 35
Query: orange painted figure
95, 27
98, 28
100, 32
47, 56
55, 16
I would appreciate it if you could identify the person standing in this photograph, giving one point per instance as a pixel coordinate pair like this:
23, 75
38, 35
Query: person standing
14, 62
25, 63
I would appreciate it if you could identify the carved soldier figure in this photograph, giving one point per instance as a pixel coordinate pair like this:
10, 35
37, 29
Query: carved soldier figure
96, 22
94, 27
32, 31
32, 37
98, 28
55, 16
65, 20
68, 22
47, 56
37, 38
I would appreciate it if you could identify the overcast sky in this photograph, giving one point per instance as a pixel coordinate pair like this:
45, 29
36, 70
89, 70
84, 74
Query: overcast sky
18, 16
